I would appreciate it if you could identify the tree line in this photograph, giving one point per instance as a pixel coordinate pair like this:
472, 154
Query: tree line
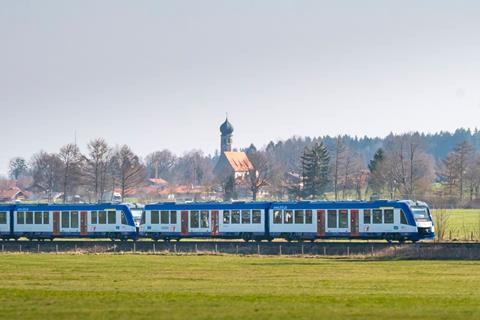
336, 168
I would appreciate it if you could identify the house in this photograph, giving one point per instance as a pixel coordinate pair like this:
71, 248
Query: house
232, 163
9, 192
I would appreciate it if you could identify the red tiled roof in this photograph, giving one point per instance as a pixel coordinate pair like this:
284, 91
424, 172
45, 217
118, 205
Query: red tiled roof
10, 193
159, 181
181, 190
239, 161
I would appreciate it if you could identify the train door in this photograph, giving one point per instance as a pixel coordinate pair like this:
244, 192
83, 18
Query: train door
320, 223
215, 215
83, 223
56, 223
338, 222
184, 218
354, 225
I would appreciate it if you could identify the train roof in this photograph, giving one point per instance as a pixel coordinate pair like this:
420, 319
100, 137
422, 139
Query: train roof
70, 206
207, 205
292, 204
339, 204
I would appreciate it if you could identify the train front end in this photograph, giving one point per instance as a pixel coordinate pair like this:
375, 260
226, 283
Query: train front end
423, 220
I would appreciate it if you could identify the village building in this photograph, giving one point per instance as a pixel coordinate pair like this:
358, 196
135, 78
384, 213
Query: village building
232, 164
10, 192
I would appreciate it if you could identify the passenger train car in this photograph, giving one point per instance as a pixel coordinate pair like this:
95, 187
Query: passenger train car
246, 220
42, 221
389, 220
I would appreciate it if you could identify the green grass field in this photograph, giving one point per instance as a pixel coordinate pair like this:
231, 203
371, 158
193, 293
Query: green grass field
231, 287
462, 224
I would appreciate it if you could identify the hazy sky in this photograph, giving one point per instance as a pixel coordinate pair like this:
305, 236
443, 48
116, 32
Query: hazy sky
162, 74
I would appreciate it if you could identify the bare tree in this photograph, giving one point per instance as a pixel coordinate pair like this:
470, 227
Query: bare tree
456, 166
97, 162
17, 167
259, 175
128, 170
159, 163
410, 168
193, 168
351, 167
71, 168
338, 161
46, 172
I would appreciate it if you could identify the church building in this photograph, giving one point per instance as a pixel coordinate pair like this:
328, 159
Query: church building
231, 163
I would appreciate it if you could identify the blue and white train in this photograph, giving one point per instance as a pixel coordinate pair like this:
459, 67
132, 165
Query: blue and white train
388, 220
42, 221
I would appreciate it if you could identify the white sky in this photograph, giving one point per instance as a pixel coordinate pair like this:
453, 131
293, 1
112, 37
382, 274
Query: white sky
162, 74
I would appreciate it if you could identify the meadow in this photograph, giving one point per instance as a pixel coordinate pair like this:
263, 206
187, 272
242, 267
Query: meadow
461, 224
46, 286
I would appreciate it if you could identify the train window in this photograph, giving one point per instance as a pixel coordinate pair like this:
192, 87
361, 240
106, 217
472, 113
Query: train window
256, 216
102, 217
299, 216
226, 217
112, 217
308, 217
38, 218
204, 223
74, 219
142, 221
194, 219
164, 217
343, 219
377, 216
46, 217
29, 218
154, 217
3, 218
235, 216
388, 216
93, 217
367, 217
173, 217
332, 218
65, 219
277, 216
123, 218
288, 216
403, 218
20, 217
246, 216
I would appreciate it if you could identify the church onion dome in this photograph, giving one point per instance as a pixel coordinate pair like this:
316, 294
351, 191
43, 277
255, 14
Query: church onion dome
226, 128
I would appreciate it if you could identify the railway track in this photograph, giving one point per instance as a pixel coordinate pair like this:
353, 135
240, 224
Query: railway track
427, 250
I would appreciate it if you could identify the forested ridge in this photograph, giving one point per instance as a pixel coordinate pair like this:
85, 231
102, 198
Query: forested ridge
414, 165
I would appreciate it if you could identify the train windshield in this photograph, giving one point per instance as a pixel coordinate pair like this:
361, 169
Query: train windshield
421, 214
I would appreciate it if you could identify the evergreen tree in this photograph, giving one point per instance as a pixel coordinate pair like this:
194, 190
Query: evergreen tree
376, 167
315, 171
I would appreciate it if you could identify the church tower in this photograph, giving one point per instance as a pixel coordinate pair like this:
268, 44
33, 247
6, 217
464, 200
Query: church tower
226, 139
